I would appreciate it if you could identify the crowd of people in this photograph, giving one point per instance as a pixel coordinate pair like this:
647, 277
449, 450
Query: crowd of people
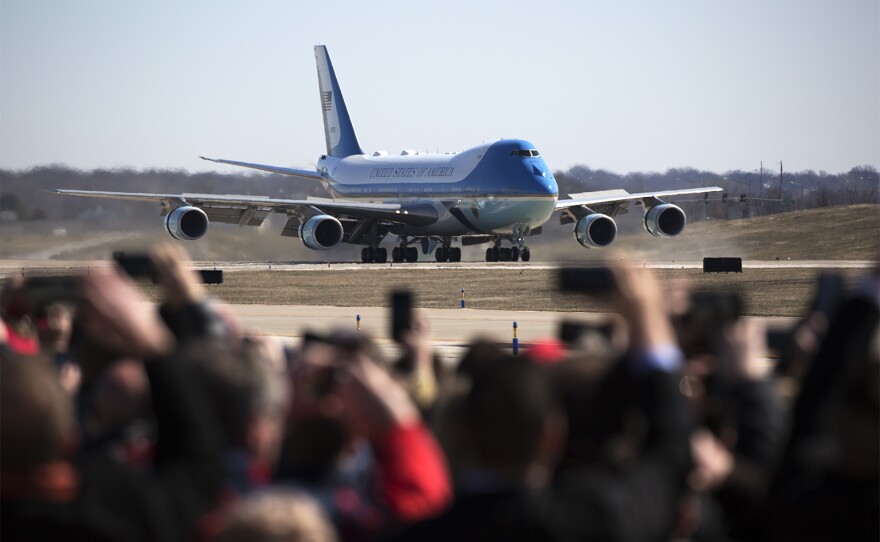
119, 421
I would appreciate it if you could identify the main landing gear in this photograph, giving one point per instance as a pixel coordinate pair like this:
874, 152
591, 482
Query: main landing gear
505, 254
404, 253
374, 255
447, 253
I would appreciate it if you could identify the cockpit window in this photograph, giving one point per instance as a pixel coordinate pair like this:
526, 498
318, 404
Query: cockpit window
526, 153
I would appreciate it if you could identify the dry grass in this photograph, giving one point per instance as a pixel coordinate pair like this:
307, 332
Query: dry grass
766, 292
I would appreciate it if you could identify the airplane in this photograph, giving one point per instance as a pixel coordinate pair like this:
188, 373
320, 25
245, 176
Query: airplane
496, 193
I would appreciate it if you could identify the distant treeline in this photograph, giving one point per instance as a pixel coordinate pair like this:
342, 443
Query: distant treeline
23, 194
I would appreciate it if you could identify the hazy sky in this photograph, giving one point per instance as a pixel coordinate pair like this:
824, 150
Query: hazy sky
625, 86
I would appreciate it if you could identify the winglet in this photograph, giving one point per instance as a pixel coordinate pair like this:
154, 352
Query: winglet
338, 130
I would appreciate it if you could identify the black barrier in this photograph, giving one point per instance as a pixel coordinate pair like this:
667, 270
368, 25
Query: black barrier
722, 265
211, 276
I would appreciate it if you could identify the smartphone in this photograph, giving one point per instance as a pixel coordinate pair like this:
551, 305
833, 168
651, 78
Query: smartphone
829, 292
135, 265
779, 340
401, 314
587, 280
714, 309
571, 332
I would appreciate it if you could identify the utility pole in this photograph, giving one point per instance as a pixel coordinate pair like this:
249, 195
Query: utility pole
762, 187
780, 187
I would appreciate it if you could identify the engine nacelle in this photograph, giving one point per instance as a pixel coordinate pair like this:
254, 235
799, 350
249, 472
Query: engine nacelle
186, 223
595, 230
665, 220
321, 232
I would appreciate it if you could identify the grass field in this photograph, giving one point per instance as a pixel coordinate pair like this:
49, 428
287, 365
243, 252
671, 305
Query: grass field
765, 292
832, 233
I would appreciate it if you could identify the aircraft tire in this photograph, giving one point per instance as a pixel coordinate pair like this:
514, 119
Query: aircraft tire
381, 255
440, 254
455, 254
504, 255
514, 254
412, 255
526, 254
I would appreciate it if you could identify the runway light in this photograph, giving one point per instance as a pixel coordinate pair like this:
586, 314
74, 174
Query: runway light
515, 341
358, 319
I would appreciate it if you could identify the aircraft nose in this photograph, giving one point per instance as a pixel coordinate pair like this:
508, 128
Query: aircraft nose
544, 180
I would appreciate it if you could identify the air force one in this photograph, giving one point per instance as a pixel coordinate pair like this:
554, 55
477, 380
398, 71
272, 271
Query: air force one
495, 193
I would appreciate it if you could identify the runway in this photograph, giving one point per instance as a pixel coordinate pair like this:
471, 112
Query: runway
451, 330
17, 266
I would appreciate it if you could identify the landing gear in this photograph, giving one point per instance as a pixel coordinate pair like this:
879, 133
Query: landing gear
404, 253
374, 255
446, 253
512, 254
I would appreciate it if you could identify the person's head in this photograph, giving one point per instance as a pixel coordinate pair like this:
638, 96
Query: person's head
36, 415
317, 434
482, 355
120, 396
278, 517
54, 325
514, 423
246, 392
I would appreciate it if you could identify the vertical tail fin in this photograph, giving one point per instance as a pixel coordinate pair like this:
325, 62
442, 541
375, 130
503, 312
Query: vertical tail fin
341, 141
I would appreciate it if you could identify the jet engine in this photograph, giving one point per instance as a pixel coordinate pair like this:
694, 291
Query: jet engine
665, 220
186, 223
595, 230
321, 232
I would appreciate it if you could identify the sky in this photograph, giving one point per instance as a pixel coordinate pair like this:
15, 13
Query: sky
632, 85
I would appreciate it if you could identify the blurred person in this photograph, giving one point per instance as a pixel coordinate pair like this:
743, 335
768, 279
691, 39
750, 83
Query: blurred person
516, 431
277, 516
15, 318
54, 324
512, 431
828, 485
741, 424
419, 368
119, 414
250, 396
50, 488
357, 442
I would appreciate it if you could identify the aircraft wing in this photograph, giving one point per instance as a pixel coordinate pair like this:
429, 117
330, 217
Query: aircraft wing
622, 197
301, 173
251, 210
